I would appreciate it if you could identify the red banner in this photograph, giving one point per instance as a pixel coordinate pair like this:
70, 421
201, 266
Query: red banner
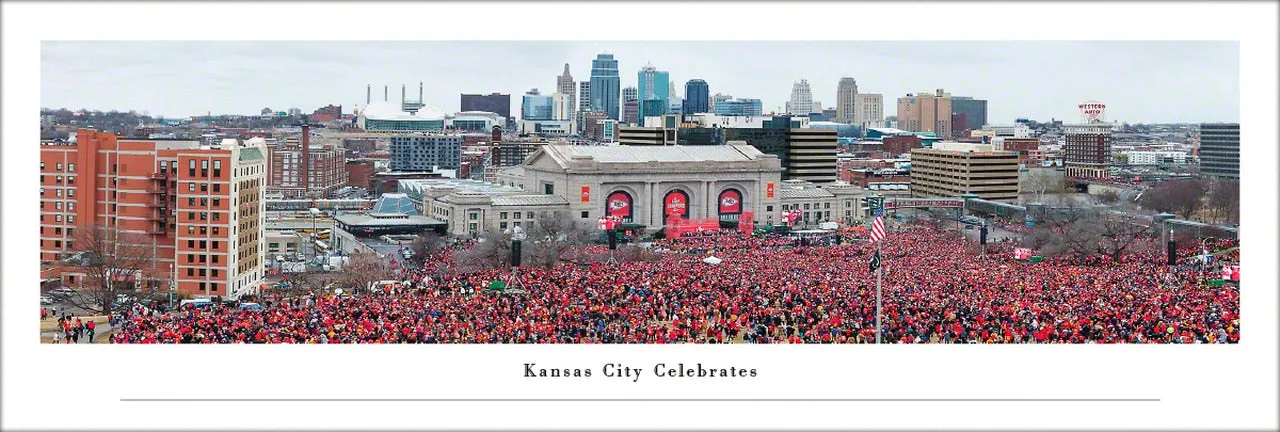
768, 190
730, 202
586, 193
618, 204
676, 203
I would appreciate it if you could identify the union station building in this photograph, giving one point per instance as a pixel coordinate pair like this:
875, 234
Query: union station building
642, 185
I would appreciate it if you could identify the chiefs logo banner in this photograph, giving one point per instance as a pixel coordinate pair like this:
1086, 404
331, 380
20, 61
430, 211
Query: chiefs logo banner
730, 202
586, 193
676, 203
618, 204
768, 190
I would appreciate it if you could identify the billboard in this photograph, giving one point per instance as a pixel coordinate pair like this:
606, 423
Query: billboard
618, 204
676, 203
1092, 111
730, 202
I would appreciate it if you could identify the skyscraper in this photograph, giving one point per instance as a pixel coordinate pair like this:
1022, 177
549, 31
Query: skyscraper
631, 111
739, 107
630, 93
717, 98
847, 101
494, 102
653, 85
1220, 150
974, 110
561, 107
584, 96
565, 86
869, 110
801, 102
537, 107
605, 85
697, 97
924, 112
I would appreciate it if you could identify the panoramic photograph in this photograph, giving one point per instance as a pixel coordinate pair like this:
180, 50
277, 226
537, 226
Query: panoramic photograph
656, 192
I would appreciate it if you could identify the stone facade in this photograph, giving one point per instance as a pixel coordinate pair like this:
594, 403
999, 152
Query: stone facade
580, 183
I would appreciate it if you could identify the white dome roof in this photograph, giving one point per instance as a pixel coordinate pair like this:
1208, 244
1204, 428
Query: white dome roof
391, 111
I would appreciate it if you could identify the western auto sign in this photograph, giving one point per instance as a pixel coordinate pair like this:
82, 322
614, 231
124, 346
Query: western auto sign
927, 202
768, 190
1092, 111
676, 203
618, 204
586, 193
730, 202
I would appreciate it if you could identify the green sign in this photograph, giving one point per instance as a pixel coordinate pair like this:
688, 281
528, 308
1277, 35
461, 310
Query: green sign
498, 285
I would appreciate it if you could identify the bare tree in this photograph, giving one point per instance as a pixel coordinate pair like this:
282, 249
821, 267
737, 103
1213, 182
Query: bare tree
1081, 232
1107, 197
300, 284
1042, 182
492, 251
552, 237
1183, 198
1224, 199
112, 265
425, 245
1118, 235
364, 269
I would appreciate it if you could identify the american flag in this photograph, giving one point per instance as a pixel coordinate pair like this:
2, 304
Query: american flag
877, 227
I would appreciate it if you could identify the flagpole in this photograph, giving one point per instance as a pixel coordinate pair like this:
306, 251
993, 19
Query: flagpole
879, 275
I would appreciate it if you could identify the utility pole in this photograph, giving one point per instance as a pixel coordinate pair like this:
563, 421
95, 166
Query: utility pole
173, 284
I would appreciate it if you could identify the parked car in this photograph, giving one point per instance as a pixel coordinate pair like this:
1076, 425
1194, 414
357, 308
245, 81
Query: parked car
61, 292
46, 300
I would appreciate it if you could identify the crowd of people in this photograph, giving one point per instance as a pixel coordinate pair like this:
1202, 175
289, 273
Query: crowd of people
71, 329
715, 241
934, 291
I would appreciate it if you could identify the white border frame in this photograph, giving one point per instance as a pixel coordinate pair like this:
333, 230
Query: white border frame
1218, 387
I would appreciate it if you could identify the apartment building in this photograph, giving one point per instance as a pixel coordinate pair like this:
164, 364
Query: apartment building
197, 208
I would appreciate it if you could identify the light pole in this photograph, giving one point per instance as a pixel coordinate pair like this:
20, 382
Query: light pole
173, 284
314, 212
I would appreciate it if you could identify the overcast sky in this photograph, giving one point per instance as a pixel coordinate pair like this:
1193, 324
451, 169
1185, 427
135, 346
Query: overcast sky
1160, 81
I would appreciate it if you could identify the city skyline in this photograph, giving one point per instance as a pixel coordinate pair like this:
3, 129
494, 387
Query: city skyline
1185, 81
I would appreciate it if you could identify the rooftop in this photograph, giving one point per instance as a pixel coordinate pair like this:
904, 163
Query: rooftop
649, 154
395, 203
804, 193
375, 220
250, 154
417, 186
529, 200
388, 111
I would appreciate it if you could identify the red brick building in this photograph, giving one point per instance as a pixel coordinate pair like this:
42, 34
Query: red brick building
901, 144
285, 173
863, 176
196, 208
328, 113
359, 172
1022, 146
